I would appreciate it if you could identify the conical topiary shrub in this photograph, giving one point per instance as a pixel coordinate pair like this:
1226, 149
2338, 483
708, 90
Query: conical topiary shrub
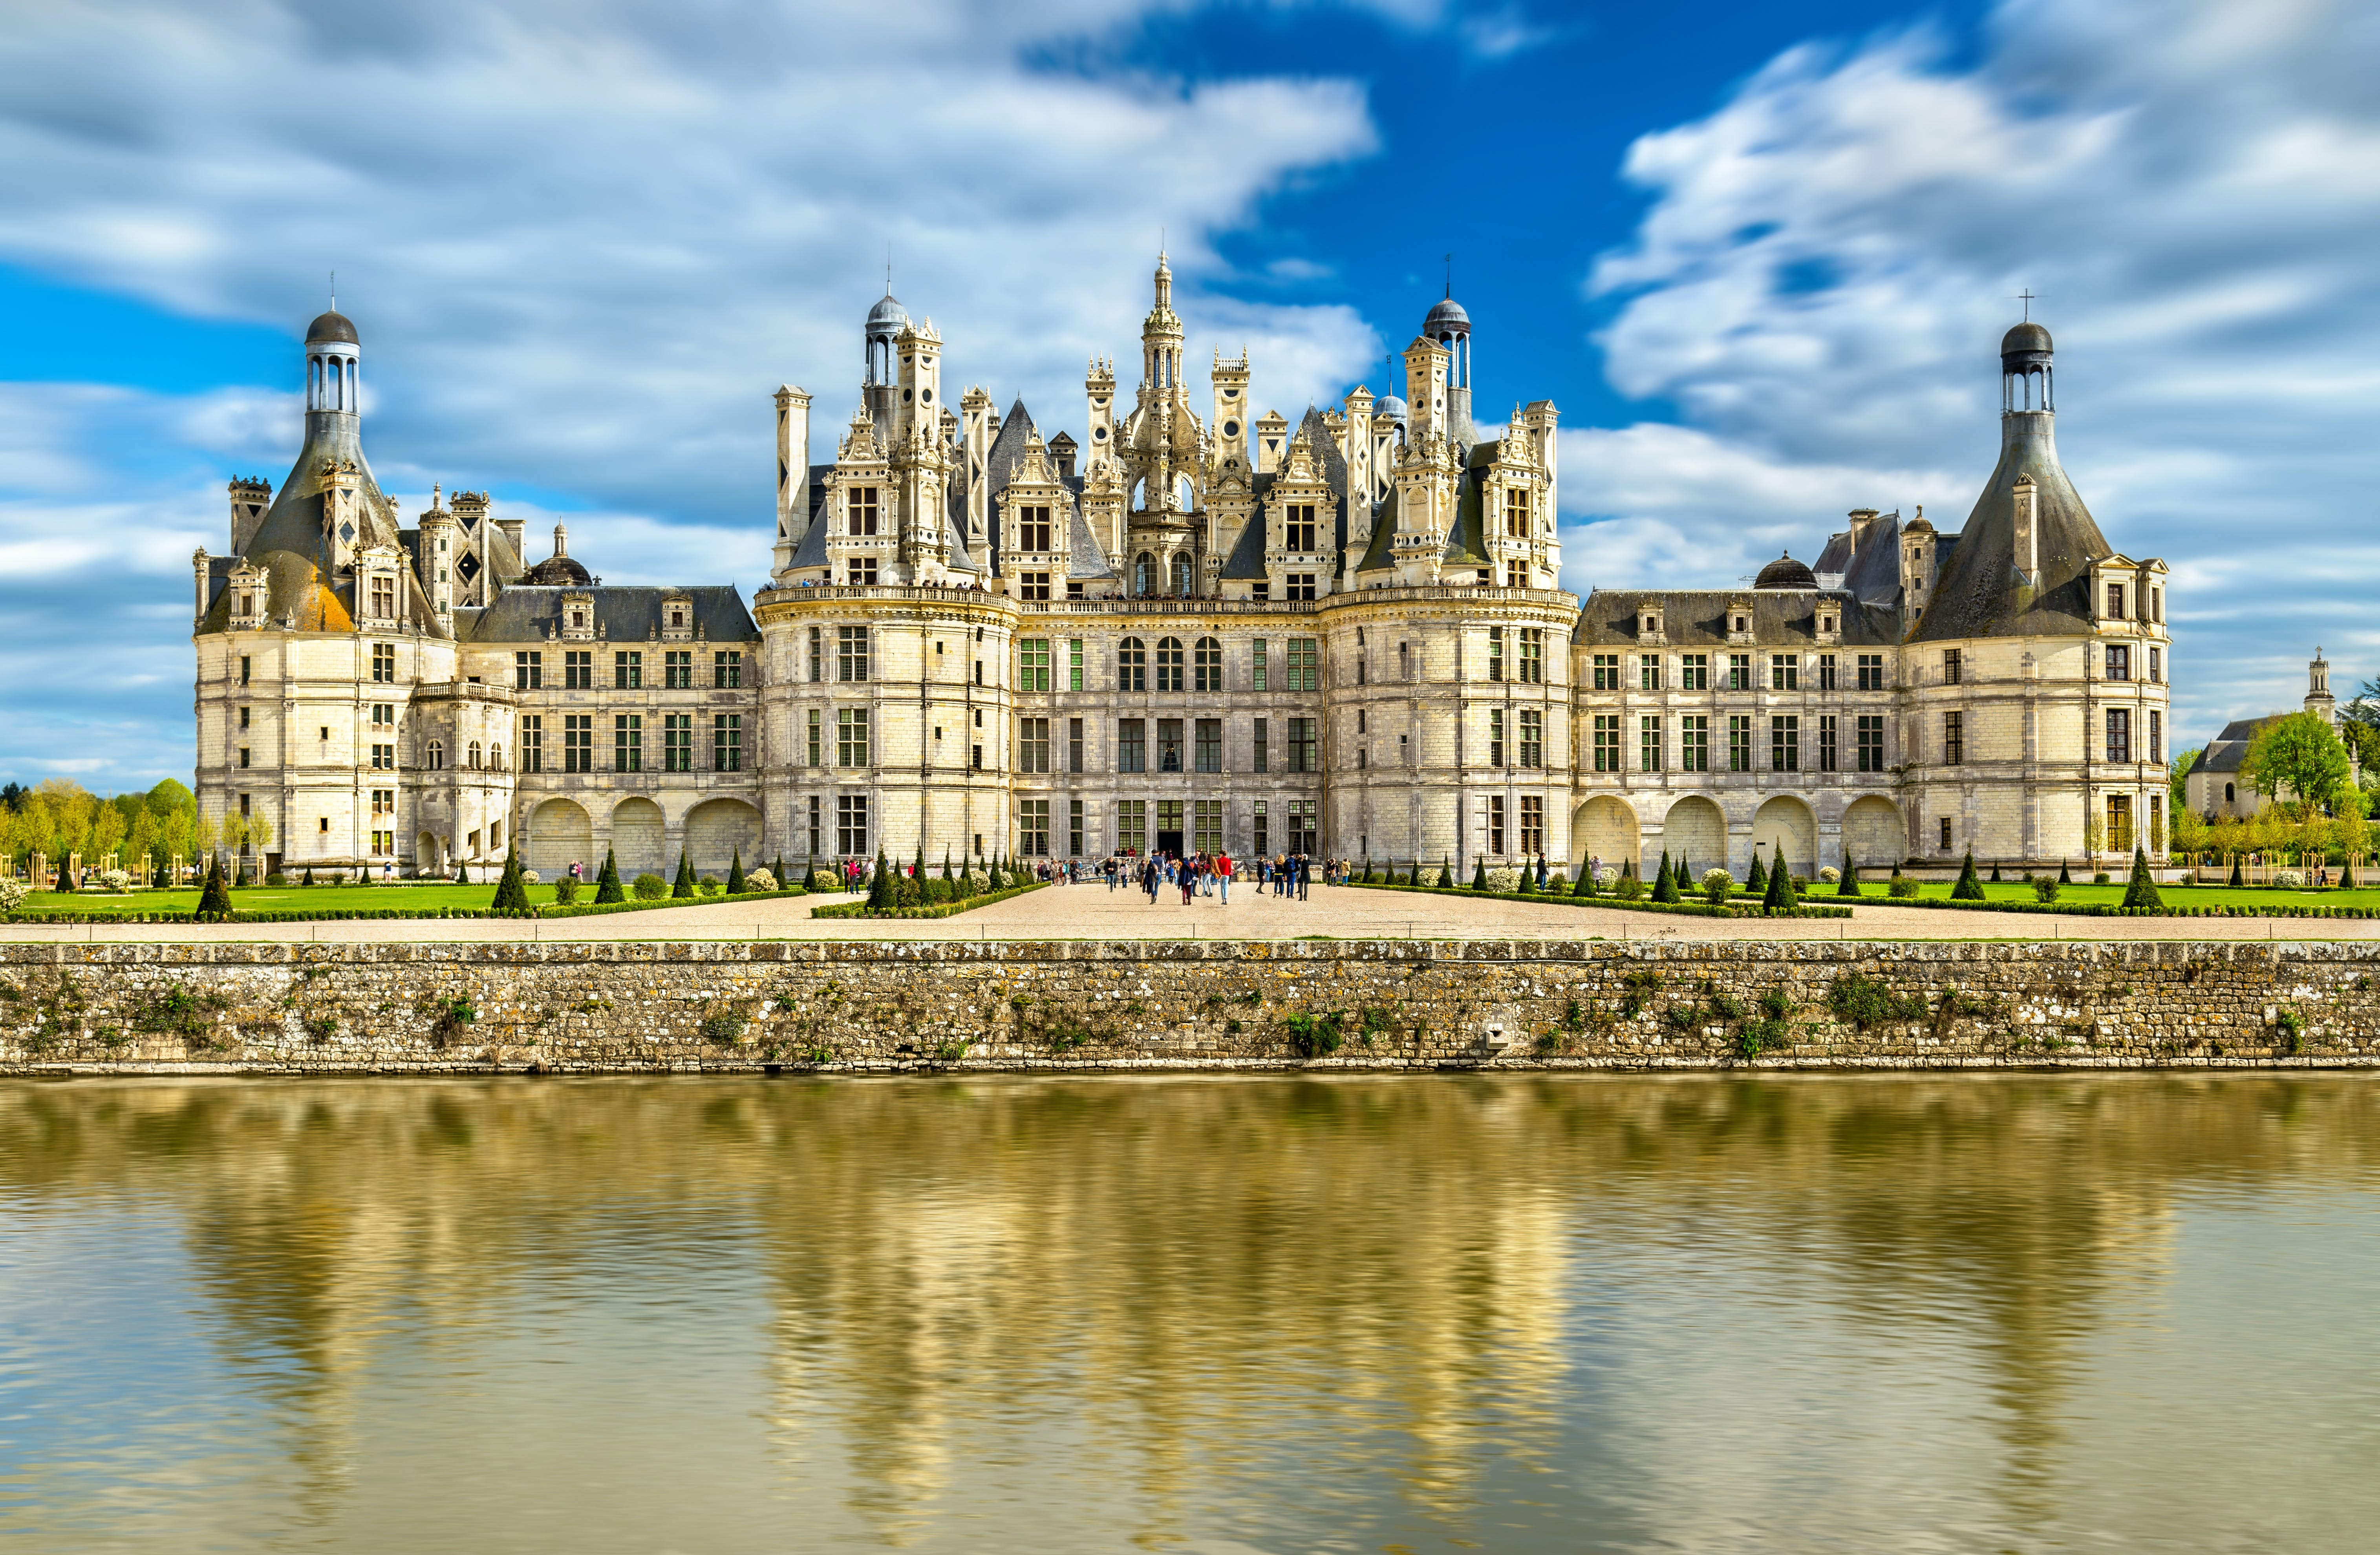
917, 866
214, 897
880, 891
735, 886
2239, 878
1850, 886
1665, 884
511, 892
462, 874
308, 879
1585, 886
1969, 888
1446, 872
683, 884
1528, 879
1778, 897
780, 873
2065, 875
607, 884
1480, 875
2142, 890
1757, 883
2347, 876
1415, 878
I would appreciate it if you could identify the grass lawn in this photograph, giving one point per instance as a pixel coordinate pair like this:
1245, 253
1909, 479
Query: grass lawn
2113, 896
294, 898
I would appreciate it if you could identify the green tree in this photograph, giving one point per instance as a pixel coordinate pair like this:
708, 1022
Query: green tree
214, 899
1757, 883
881, 895
1480, 875
1850, 885
2300, 755
2141, 892
1446, 872
736, 883
511, 892
1665, 883
1585, 886
607, 884
683, 884
1969, 888
1778, 897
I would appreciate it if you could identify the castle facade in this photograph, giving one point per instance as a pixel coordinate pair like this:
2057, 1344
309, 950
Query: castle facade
1198, 628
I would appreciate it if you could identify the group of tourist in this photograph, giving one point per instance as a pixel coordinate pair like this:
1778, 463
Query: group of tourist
1211, 875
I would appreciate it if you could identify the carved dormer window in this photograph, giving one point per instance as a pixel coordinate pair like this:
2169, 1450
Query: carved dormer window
677, 618
578, 617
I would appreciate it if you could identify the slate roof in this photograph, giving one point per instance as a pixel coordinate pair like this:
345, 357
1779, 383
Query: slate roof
626, 615
1698, 618
1975, 591
1083, 557
2227, 751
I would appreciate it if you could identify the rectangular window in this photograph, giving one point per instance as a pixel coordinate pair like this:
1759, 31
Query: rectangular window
383, 801
1606, 672
1954, 738
1516, 513
1168, 819
1693, 672
384, 715
815, 827
1784, 671
1032, 745
1033, 530
1207, 827
1033, 664
727, 669
578, 671
851, 653
1648, 745
1073, 663
677, 742
1033, 587
578, 743
1496, 824
1300, 586
245, 666
1074, 828
1260, 837
1303, 741
1607, 742
384, 598
2119, 734
1209, 749
1302, 838
1871, 742
629, 743
2157, 665
1495, 652
383, 664
859, 505
850, 825
1739, 672
2157, 736
851, 737
383, 758
1257, 668
1693, 743
1262, 753
726, 742
818, 658
1533, 655
1739, 744
533, 744
1297, 528
1132, 826
1533, 738
862, 573
1132, 745
1533, 823
1075, 748
816, 722
2119, 662
1169, 744
2119, 822
1648, 672
2115, 600
529, 672
1033, 828
627, 670
1826, 761
1826, 672
1953, 666
1945, 824
1305, 671
677, 670
1871, 672
1785, 744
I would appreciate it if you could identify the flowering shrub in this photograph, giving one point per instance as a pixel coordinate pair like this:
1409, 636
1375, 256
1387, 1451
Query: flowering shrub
1607, 877
1717, 883
759, 879
2289, 878
1503, 880
529, 877
115, 880
825, 879
12, 895
1830, 874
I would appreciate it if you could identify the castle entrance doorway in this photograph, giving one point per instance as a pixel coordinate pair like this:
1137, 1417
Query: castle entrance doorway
1169, 842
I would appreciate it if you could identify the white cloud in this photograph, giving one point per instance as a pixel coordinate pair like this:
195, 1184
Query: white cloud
2192, 190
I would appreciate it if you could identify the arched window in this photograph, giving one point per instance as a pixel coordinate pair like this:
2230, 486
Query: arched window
1184, 498
1131, 665
2230, 793
1144, 573
437, 755
474, 756
1169, 664
1181, 575
496, 756
1206, 665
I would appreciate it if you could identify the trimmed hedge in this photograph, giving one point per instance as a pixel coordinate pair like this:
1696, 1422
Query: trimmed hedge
1676, 909
2109, 909
939, 909
347, 914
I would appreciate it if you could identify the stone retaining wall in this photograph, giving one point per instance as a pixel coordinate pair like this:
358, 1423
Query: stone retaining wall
887, 1008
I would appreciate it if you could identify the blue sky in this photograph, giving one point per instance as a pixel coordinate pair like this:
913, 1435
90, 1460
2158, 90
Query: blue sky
1759, 255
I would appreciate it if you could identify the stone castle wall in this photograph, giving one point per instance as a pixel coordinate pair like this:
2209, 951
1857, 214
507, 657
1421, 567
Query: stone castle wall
879, 1007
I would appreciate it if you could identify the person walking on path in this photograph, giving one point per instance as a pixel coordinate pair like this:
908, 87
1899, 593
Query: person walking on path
1305, 873
1223, 877
1189, 882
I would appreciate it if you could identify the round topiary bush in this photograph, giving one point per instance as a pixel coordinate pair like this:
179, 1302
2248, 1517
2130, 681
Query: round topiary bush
1903, 888
759, 879
709, 887
650, 887
1716, 884
1830, 874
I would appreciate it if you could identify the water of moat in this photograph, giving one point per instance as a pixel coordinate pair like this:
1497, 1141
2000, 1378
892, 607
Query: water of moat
1211, 1315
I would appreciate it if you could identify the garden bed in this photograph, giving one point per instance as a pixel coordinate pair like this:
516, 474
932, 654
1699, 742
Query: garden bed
931, 910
